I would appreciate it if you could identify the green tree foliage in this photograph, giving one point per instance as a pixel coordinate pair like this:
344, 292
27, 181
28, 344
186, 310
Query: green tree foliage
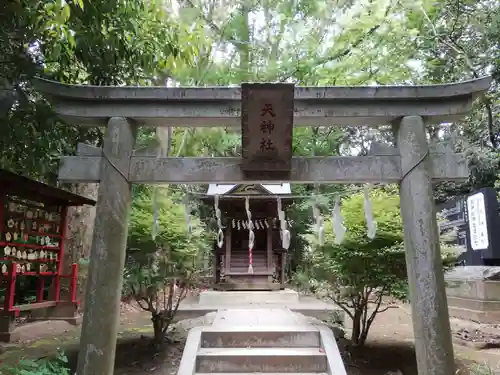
458, 40
80, 41
160, 271
360, 272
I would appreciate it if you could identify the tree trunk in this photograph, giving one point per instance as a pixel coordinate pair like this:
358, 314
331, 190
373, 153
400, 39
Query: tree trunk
356, 327
159, 338
79, 235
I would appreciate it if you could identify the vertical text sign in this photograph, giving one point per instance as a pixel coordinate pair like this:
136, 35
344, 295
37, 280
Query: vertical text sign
477, 222
267, 126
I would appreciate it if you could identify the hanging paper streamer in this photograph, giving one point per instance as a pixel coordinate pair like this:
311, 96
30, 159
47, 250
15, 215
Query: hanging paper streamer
251, 235
338, 222
188, 214
370, 223
220, 233
156, 224
321, 231
284, 232
319, 223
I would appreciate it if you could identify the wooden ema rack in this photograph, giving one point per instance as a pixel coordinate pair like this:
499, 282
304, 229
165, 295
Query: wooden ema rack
33, 229
32, 244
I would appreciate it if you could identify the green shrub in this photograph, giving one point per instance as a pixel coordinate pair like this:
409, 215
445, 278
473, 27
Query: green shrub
358, 273
159, 272
44, 366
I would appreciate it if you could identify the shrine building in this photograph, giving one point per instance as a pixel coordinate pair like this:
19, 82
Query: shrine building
232, 260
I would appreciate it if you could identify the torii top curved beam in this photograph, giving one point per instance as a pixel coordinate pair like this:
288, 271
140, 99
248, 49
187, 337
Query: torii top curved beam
221, 106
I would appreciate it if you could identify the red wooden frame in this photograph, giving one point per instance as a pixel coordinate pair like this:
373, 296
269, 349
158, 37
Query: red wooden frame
35, 195
12, 275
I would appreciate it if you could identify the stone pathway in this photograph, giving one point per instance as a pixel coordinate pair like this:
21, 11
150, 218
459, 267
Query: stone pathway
257, 317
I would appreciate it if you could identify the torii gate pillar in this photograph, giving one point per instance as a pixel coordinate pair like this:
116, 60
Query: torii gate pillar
107, 256
431, 322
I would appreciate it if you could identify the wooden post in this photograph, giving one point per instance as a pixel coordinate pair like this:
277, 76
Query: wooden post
73, 284
431, 323
269, 234
40, 289
60, 256
107, 256
215, 266
228, 251
10, 291
283, 257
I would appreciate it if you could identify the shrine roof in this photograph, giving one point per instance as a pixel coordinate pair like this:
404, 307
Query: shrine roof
272, 189
11, 183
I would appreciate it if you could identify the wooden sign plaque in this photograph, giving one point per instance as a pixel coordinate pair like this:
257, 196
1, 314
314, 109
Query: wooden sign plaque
267, 126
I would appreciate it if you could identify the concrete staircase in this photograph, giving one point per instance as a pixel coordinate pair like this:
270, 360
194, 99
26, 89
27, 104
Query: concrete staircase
260, 349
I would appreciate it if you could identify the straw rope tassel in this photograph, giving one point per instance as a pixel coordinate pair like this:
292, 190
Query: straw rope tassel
251, 235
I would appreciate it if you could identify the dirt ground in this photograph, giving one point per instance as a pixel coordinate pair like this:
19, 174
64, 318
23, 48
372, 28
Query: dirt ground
389, 350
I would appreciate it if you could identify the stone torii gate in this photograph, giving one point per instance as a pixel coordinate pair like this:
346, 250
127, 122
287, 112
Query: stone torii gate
413, 164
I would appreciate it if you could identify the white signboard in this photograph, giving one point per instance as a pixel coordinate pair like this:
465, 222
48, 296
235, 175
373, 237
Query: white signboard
477, 222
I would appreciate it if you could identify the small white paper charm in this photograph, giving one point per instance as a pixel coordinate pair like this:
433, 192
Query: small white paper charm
285, 239
218, 216
220, 238
371, 224
321, 231
319, 224
338, 222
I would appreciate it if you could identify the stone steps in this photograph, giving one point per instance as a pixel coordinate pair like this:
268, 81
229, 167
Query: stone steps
261, 341
266, 337
264, 360
228, 298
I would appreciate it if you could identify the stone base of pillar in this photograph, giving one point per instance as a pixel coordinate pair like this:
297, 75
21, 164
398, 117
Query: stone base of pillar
64, 310
8, 329
473, 293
